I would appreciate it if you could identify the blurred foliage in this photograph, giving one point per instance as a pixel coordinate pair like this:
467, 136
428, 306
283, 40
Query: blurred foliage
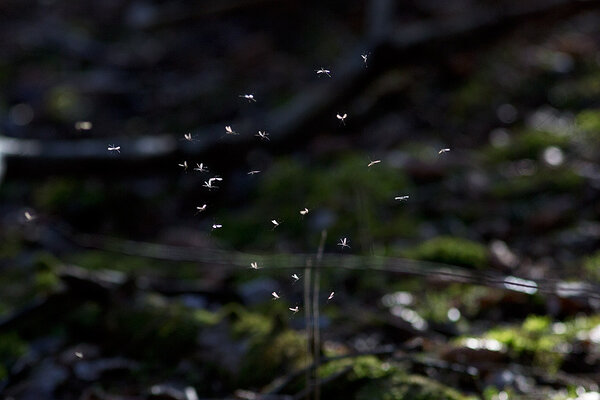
343, 196
11, 348
541, 341
153, 330
591, 265
367, 377
526, 144
561, 180
450, 250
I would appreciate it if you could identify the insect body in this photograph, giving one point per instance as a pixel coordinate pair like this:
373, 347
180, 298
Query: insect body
200, 168
209, 183
264, 135
112, 147
230, 131
249, 97
324, 71
343, 243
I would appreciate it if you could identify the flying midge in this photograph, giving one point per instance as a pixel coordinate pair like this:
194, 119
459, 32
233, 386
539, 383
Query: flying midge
209, 183
295, 277
184, 165
401, 198
373, 163
294, 309
29, 216
322, 70
364, 57
275, 295
443, 151
217, 226
78, 354
330, 296
200, 208
249, 97
254, 265
230, 131
304, 212
200, 168
275, 223
253, 172
264, 135
342, 118
343, 243
188, 137
112, 147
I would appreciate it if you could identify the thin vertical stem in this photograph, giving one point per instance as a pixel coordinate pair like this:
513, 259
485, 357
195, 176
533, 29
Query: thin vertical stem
307, 321
316, 325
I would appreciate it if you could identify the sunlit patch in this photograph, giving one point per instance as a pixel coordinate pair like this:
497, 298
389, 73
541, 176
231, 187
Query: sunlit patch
453, 314
410, 316
553, 156
483, 344
520, 285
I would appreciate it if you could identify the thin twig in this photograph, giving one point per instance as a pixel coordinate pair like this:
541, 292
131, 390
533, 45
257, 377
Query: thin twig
232, 260
316, 324
307, 320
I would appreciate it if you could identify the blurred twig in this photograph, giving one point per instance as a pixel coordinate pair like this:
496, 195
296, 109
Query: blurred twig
235, 260
349, 75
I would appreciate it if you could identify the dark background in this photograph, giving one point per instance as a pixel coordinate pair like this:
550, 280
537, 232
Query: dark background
112, 286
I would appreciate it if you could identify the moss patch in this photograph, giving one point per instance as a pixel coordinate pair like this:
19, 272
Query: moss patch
450, 250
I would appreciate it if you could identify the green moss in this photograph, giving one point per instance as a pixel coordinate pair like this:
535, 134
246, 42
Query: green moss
545, 180
536, 325
468, 98
588, 121
371, 378
272, 355
370, 367
526, 144
45, 279
407, 387
450, 250
10, 246
99, 260
353, 196
417, 387
205, 317
11, 348
57, 193
591, 265
535, 340
249, 324
154, 331
576, 92
65, 103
